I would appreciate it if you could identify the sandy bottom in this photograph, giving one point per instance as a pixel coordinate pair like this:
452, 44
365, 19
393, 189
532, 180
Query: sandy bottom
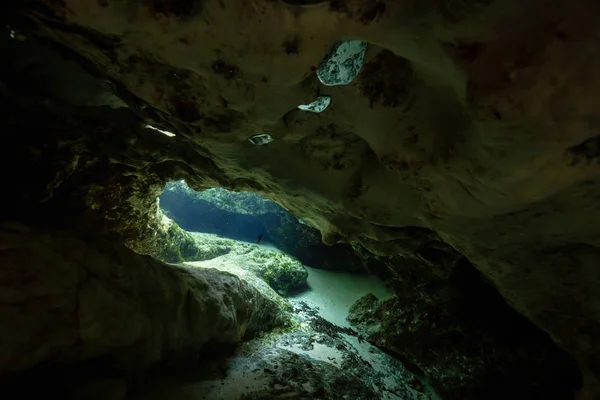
333, 292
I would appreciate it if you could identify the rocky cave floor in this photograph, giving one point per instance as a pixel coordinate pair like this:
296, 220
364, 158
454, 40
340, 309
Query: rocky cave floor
317, 356
317, 360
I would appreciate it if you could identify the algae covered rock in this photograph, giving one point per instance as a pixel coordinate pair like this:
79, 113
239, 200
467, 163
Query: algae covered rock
282, 272
219, 198
363, 315
173, 244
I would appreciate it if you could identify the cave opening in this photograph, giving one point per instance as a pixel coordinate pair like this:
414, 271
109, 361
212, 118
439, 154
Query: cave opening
464, 268
283, 257
342, 287
243, 232
251, 218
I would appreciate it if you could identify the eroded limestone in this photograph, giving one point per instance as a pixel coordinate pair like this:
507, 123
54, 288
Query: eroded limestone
74, 299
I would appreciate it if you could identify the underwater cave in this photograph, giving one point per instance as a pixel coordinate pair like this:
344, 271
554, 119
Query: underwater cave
249, 217
261, 199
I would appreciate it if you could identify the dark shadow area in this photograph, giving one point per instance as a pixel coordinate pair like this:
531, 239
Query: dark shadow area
523, 361
304, 2
98, 379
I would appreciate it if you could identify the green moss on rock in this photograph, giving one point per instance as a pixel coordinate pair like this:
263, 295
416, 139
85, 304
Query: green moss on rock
174, 245
280, 271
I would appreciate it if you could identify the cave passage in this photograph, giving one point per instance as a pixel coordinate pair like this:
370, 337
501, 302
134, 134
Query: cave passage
340, 286
215, 215
246, 217
218, 229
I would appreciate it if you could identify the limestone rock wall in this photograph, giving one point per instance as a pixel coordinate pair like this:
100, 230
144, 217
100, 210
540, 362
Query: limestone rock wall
65, 299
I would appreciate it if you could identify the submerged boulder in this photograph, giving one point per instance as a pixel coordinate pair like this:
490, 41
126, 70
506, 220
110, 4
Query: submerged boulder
281, 272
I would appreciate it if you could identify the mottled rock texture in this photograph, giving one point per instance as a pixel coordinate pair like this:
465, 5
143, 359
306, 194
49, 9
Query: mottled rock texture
282, 272
463, 337
472, 121
172, 244
66, 299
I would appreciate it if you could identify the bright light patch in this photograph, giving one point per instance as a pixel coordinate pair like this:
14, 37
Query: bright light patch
169, 134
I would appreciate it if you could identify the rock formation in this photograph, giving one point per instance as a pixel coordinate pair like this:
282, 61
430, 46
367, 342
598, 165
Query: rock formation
70, 299
174, 245
461, 335
469, 131
280, 271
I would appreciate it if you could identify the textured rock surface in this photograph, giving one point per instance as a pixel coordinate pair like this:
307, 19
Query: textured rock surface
281, 272
476, 120
465, 339
172, 244
342, 63
220, 199
71, 299
313, 359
